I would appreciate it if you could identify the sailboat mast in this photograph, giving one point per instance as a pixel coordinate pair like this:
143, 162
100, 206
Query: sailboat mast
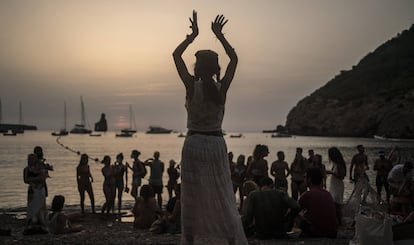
130, 116
1, 112
20, 113
64, 115
83, 121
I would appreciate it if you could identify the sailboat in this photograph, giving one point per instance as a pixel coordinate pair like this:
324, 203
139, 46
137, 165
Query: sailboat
13, 129
81, 128
131, 121
18, 129
2, 129
129, 132
62, 131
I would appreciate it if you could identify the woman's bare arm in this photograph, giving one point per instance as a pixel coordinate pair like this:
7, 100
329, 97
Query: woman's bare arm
185, 76
217, 27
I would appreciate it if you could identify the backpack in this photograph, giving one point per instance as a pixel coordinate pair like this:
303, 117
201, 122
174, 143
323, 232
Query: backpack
142, 175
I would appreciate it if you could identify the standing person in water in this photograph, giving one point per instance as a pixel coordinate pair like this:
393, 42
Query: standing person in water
138, 172
258, 168
280, 171
108, 184
173, 176
84, 179
156, 173
208, 205
298, 172
338, 173
120, 170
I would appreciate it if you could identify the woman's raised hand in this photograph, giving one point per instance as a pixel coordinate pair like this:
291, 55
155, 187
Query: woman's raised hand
217, 25
194, 26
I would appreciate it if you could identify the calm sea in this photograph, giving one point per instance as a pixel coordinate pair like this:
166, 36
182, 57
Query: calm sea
14, 151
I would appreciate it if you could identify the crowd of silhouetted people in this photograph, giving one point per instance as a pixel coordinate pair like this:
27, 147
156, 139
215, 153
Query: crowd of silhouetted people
313, 206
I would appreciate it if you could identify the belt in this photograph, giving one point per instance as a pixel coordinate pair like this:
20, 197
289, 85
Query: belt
217, 133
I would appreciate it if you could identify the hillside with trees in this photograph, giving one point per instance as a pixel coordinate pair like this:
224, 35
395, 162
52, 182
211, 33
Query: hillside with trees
375, 97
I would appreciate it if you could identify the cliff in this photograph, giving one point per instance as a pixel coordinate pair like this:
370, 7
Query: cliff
375, 97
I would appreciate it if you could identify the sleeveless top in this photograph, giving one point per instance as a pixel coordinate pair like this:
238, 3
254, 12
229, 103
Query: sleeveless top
203, 115
156, 173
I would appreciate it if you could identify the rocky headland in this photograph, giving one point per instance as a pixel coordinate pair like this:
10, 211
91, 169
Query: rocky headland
375, 97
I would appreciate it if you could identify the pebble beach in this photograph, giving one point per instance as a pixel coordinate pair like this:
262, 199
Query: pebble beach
107, 229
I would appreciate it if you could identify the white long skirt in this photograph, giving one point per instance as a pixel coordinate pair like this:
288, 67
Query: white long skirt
36, 207
209, 211
336, 189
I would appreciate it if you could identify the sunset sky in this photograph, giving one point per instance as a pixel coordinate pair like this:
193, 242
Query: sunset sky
116, 53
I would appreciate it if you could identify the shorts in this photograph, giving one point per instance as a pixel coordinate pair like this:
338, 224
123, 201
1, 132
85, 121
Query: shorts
157, 188
281, 184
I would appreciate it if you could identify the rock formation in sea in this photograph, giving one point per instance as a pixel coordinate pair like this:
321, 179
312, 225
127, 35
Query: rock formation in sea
101, 125
375, 97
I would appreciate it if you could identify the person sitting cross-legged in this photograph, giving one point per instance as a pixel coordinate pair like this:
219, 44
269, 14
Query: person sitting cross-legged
270, 213
319, 218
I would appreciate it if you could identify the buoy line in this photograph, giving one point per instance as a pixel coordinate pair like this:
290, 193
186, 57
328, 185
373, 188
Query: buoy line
74, 151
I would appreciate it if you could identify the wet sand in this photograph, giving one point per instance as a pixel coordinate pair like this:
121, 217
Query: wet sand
106, 229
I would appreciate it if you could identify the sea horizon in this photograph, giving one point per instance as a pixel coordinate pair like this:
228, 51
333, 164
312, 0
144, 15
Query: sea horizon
63, 155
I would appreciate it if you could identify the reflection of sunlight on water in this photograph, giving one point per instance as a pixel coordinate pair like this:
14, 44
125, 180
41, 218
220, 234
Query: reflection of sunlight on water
13, 193
127, 218
20, 216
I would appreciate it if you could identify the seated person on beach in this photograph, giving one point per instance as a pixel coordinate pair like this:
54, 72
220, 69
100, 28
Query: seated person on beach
170, 222
400, 179
404, 231
59, 222
248, 187
145, 209
270, 213
319, 208
173, 219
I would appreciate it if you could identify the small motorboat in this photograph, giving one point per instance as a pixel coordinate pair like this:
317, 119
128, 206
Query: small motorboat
281, 135
62, 132
95, 134
10, 133
125, 134
158, 130
236, 135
